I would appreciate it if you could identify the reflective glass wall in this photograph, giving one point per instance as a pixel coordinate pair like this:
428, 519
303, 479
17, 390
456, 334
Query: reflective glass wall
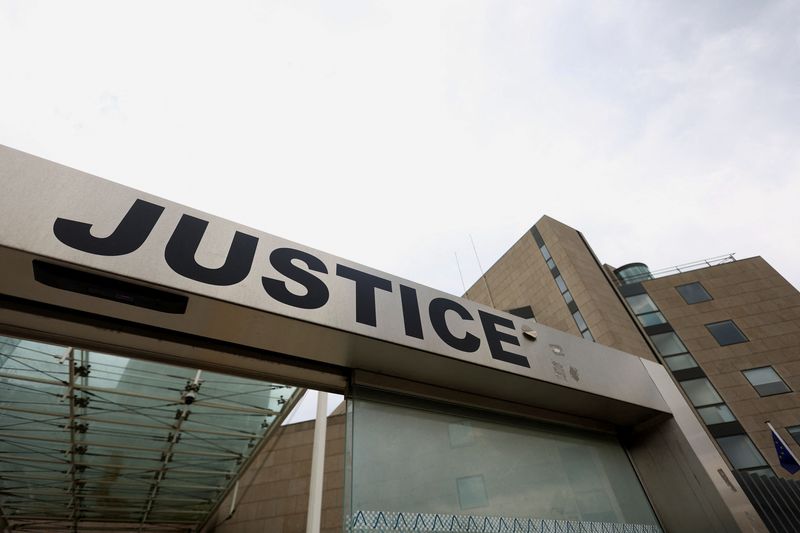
426, 467
89, 437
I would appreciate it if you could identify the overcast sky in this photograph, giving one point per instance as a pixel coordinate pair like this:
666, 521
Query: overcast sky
389, 132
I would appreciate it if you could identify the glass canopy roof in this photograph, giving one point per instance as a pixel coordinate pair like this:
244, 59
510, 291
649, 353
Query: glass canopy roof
90, 440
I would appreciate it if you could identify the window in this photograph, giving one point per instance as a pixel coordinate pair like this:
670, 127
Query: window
582, 327
693, 293
668, 343
716, 414
580, 321
673, 351
766, 381
561, 285
742, 453
680, 362
645, 310
522, 312
701, 392
726, 333
562, 288
794, 431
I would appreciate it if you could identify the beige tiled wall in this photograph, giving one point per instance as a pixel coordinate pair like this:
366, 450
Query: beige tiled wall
521, 277
767, 310
273, 497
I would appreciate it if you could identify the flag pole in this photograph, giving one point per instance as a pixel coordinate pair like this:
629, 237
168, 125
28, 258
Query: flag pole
774, 432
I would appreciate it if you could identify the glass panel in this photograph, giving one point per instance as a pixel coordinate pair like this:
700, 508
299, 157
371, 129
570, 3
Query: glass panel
403, 461
131, 421
716, 414
766, 471
741, 451
693, 293
633, 273
472, 492
766, 381
794, 431
668, 343
652, 319
545, 252
561, 285
779, 387
726, 333
700, 392
641, 303
568, 297
551, 264
680, 362
761, 376
580, 321
587, 335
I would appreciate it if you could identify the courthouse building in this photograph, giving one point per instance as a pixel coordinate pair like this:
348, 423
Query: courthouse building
728, 330
150, 353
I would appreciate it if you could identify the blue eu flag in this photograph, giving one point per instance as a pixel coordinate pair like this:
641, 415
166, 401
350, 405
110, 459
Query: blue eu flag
785, 456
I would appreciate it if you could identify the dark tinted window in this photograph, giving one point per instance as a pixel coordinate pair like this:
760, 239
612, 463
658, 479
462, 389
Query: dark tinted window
741, 452
694, 293
726, 333
522, 312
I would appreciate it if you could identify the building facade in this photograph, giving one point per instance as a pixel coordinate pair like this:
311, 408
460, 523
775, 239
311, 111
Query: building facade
728, 330
459, 416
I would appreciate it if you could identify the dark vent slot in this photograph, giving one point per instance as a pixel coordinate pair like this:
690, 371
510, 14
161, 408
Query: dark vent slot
69, 279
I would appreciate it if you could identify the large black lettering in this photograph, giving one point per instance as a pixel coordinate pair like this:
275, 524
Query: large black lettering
366, 284
437, 309
185, 240
494, 339
411, 319
129, 235
316, 292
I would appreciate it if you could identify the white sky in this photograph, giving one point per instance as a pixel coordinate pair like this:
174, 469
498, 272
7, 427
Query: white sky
388, 132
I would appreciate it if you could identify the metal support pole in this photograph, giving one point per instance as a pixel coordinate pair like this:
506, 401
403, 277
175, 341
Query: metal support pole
317, 465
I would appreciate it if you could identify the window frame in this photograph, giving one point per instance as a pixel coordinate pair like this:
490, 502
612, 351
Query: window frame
756, 387
644, 316
745, 338
713, 388
685, 353
796, 436
678, 288
752, 446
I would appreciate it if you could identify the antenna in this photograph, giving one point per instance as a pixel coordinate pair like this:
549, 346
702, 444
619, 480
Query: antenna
460, 274
476, 253
485, 282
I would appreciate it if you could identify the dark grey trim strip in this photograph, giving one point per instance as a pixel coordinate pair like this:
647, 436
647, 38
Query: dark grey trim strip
689, 373
726, 429
658, 328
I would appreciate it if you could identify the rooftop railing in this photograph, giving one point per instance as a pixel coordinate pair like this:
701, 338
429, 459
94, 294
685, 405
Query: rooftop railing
679, 269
